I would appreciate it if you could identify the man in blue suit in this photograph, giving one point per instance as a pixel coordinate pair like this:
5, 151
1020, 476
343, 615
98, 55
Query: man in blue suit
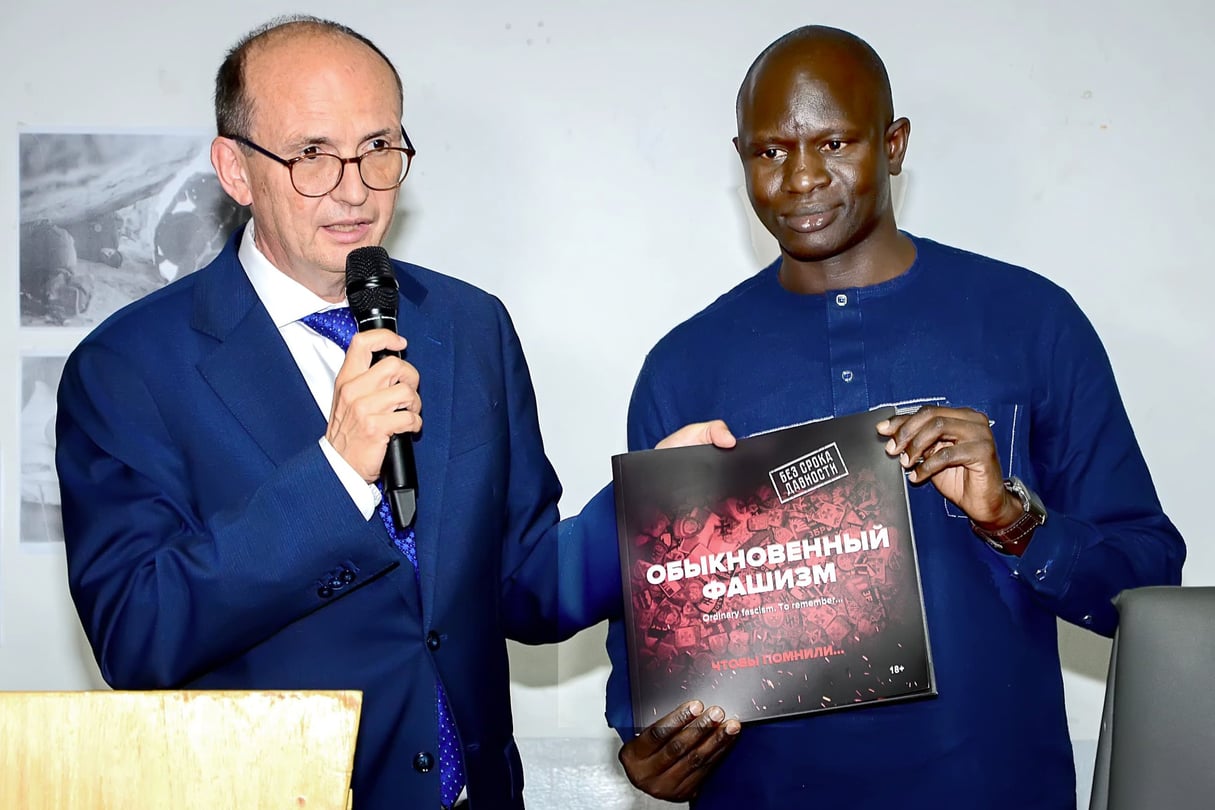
218, 455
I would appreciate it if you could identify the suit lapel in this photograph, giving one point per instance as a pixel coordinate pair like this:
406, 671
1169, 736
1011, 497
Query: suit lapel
227, 308
431, 351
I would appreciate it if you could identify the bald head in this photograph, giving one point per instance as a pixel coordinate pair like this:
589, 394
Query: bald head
842, 60
233, 104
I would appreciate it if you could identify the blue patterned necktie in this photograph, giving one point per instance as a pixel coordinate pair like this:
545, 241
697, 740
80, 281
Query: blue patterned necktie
338, 325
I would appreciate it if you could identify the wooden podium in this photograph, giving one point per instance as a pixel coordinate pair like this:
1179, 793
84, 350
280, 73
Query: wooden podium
181, 750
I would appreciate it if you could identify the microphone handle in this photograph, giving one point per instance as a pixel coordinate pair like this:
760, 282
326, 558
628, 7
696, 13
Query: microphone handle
399, 474
400, 479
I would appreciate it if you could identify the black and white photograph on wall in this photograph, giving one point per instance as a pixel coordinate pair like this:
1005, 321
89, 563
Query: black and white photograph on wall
107, 217
41, 515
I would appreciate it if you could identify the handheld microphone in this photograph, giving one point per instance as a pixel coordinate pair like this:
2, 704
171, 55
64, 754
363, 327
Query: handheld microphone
371, 292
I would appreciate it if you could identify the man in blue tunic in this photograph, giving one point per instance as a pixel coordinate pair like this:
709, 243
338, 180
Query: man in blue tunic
1030, 497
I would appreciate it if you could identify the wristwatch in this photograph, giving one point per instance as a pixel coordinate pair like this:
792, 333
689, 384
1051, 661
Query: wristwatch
1014, 538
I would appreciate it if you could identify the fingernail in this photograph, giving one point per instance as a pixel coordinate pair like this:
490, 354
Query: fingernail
905, 459
716, 714
696, 707
883, 425
733, 727
890, 446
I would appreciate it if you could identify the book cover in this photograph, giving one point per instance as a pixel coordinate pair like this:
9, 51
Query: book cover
775, 578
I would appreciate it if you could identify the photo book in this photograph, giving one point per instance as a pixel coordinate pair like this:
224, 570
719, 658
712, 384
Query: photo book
775, 578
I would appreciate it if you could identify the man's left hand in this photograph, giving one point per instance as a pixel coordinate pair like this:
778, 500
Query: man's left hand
714, 432
955, 450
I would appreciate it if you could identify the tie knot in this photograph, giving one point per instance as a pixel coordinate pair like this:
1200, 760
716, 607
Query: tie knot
336, 324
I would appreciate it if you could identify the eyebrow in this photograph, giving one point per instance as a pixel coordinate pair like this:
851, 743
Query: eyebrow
835, 129
321, 140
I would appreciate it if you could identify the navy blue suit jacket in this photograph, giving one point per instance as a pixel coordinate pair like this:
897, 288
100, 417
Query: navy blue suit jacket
207, 536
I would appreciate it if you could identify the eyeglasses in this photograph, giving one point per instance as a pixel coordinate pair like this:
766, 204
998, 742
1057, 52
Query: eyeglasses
318, 174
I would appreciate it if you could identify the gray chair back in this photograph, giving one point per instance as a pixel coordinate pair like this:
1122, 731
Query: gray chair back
1156, 749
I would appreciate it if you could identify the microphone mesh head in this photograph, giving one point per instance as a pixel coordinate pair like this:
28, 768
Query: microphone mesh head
365, 262
372, 300
371, 286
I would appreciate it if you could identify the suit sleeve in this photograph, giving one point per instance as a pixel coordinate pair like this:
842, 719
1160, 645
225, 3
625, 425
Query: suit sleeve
1105, 531
557, 577
164, 594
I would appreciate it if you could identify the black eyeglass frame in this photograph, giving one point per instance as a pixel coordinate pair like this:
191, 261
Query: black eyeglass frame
408, 150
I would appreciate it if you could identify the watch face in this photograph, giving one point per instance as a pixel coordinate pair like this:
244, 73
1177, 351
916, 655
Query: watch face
1029, 499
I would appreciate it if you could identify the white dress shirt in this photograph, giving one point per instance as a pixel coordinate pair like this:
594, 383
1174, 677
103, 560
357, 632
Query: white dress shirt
319, 358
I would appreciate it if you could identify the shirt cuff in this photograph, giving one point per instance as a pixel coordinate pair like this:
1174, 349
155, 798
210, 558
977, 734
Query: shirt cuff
366, 496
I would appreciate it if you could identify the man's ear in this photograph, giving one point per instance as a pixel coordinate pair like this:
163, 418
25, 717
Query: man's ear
231, 169
897, 135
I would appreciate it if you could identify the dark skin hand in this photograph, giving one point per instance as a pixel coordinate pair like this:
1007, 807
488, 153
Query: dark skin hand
671, 758
955, 450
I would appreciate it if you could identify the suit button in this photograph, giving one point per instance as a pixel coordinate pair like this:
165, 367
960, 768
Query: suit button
423, 762
335, 583
347, 575
324, 592
432, 641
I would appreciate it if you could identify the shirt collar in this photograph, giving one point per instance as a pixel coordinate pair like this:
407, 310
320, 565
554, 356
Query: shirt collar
285, 299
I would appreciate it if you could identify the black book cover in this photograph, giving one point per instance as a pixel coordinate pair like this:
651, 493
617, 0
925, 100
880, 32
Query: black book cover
775, 578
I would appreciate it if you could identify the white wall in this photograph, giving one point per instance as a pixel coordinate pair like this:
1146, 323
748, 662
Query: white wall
575, 159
